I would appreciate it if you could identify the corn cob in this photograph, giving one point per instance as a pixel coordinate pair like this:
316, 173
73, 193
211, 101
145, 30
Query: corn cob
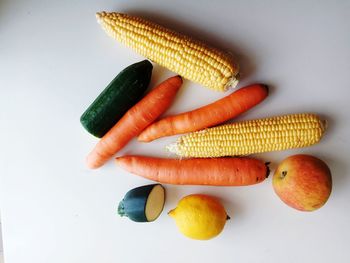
254, 136
187, 57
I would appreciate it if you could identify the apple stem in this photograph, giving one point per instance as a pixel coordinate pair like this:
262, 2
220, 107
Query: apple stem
284, 173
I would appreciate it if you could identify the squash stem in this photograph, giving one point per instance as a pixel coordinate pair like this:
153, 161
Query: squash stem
121, 210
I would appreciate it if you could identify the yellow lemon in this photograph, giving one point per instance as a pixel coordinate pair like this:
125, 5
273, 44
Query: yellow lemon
199, 216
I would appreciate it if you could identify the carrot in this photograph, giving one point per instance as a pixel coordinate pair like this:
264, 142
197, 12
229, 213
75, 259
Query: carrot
201, 171
134, 121
222, 110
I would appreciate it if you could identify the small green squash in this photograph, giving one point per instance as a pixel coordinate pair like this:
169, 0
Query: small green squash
117, 98
143, 204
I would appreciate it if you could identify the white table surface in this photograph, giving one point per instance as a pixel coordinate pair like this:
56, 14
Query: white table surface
55, 59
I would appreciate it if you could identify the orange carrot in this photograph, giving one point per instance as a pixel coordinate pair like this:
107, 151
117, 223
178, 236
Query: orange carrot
219, 111
134, 121
201, 171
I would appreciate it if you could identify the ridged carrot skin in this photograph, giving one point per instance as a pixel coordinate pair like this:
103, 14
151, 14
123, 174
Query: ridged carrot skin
210, 115
210, 171
147, 110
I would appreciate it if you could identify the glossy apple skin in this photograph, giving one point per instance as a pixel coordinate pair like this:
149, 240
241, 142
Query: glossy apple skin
303, 182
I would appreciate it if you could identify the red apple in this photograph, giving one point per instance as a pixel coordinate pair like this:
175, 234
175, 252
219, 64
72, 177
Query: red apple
303, 182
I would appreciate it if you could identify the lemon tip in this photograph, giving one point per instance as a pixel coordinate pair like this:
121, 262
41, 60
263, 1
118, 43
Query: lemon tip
171, 213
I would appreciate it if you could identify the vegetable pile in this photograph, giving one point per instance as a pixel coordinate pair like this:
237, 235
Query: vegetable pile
216, 152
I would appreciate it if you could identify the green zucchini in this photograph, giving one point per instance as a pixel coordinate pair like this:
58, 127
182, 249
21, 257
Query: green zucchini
143, 204
117, 98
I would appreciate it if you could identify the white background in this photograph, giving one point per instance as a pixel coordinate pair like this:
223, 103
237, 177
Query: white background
55, 59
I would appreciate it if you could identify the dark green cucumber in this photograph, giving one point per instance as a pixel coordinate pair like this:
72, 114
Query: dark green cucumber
117, 98
143, 204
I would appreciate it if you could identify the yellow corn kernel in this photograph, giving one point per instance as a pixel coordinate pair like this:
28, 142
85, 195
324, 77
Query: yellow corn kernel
254, 136
187, 57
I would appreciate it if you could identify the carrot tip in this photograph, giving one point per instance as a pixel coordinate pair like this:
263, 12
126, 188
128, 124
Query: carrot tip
91, 163
267, 169
266, 87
